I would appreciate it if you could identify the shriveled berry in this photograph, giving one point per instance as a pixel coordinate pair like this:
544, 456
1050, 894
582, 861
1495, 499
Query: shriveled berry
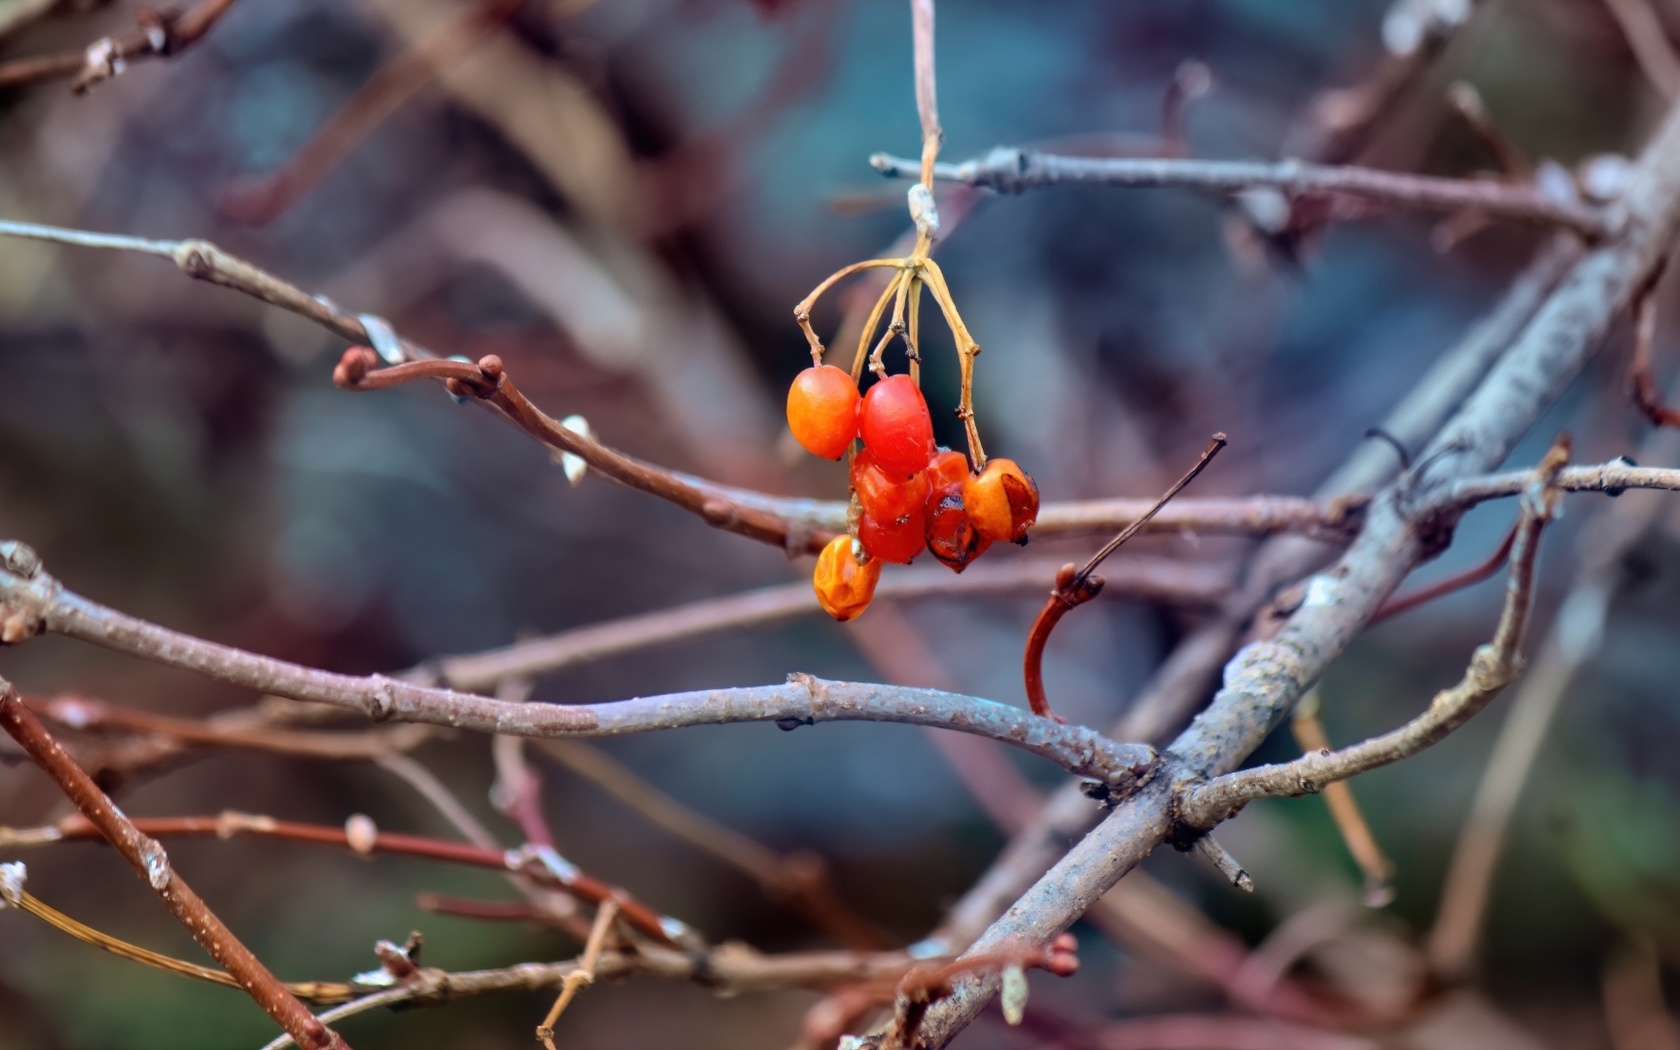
895, 540
883, 494
844, 588
822, 410
895, 425
1001, 500
950, 536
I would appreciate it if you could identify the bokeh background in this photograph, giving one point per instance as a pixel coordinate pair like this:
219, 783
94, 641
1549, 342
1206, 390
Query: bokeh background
624, 199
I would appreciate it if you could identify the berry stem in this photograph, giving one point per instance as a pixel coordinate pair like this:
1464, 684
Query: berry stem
802, 311
895, 327
872, 321
967, 351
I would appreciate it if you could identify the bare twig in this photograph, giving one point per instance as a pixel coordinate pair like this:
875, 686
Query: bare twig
151, 863
88, 715
1180, 684
1224, 863
1494, 666
797, 525
1576, 635
1009, 170
1267, 677
584, 975
160, 35
541, 864
1076, 587
1141, 579
31, 601
1641, 377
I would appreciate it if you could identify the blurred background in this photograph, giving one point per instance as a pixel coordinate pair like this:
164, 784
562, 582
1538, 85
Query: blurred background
624, 199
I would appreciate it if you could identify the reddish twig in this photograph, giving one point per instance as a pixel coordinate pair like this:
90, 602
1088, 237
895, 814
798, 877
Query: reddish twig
152, 864
1641, 378
159, 35
1457, 582
81, 713
541, 864
1076, 587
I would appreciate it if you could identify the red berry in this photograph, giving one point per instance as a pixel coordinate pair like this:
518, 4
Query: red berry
1001, 500
947, 468
950, 535
822, 410
896, 541
844, 588
884, 495
896, 426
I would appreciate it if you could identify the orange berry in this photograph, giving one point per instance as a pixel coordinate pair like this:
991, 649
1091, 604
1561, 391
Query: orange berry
895, 424
950, 535
1001, 500
844, 588
895, 540
884, 495
822, 410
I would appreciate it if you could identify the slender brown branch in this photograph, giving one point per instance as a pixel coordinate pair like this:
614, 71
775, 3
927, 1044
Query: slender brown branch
1009, 170
151, 863
160, 35
1494, 666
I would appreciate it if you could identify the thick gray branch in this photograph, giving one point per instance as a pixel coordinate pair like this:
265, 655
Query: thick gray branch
1012, 170
1266, 678
32, 601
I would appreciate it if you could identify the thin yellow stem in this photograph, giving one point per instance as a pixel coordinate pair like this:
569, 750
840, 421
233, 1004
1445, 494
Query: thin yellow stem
873, 320
320, 992
802, 311
913, 328
967, 351
895, 327
584, 975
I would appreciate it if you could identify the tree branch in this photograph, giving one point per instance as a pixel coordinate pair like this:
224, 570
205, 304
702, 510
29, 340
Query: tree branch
32, 601
797, 525
1183, 681
1266, 678
160, 35
1493, 667
1014, 170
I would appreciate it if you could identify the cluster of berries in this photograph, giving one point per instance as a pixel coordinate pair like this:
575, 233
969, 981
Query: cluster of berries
907, 494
